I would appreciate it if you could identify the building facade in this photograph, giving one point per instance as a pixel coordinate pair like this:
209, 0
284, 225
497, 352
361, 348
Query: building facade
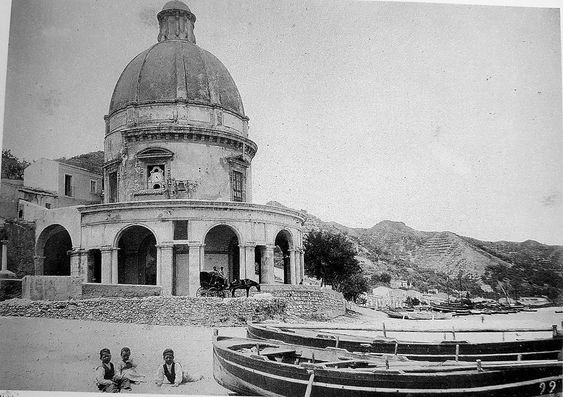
177, 197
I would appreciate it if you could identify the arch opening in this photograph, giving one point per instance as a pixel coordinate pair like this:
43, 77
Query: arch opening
53, 244
136, 260
221, 252
282, 261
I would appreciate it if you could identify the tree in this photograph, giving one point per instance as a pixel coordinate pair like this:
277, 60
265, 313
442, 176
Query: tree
332, 259
383, 278
353, 286
12, 167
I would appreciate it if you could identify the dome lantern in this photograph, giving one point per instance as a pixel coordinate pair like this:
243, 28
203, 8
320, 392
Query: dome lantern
176, 22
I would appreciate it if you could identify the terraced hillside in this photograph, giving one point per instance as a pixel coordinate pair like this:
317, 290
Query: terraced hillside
446, 260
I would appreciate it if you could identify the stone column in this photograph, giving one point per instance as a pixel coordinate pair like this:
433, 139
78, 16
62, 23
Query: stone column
106, 264
164, 259
5, 273
241, 263
268, 265
114, 266
84, 265
292, 267
302, 262
74, 262
250, 259
38, 262
195, 262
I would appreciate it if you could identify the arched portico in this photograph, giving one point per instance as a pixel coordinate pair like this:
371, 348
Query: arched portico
221, 252
51, 250
284, 259
137, 256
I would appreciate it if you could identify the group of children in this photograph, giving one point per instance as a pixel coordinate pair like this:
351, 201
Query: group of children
113, 379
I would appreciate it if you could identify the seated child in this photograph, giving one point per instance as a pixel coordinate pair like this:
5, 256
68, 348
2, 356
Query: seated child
107, 379
171, 372
127, 368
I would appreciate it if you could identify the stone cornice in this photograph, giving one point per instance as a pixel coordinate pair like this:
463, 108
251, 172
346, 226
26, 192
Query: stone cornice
192, 204
181, 101
206, 136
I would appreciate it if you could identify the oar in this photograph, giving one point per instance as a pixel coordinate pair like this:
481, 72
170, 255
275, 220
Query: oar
310, 384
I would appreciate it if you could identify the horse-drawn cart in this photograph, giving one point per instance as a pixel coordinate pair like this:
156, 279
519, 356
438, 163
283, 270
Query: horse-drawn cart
212, 284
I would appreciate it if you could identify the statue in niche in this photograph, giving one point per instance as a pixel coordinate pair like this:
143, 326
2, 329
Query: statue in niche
156, 177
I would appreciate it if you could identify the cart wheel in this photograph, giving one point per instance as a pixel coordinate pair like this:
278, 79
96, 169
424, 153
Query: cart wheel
200, 292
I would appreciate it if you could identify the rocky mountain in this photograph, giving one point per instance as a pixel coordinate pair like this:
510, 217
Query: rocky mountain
446, 260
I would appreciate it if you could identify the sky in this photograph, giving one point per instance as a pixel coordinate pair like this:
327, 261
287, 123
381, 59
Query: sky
441, 116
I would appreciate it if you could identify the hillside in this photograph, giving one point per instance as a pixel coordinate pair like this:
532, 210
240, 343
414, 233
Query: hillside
447, 261
92, 161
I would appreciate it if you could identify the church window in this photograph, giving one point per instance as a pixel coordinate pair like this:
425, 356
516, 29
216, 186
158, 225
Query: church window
237, 186
155, 177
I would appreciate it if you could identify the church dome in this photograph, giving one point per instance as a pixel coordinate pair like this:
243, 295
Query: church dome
176, 69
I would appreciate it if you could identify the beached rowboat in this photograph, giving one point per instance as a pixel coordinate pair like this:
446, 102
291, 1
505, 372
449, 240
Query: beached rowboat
254, 367
530, 349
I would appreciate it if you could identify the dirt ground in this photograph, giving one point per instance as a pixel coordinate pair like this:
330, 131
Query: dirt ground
51, 354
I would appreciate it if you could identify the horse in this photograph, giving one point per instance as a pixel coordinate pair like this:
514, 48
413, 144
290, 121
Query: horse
243, 284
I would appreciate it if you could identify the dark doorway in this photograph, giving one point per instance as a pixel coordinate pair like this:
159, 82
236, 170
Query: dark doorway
94, 266
137, 257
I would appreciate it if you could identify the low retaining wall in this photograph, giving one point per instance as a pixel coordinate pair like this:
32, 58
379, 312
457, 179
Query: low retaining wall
51, 287
10, 288
307, 301
154, 310
94, 290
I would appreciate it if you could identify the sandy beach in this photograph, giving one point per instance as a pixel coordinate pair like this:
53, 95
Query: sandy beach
53, 354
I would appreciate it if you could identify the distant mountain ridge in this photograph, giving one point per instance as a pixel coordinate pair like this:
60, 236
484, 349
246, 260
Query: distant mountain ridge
434, 259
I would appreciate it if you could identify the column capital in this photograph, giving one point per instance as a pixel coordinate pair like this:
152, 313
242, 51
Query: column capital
196, 244
76, 251
247, 245
107, 248
4, 241
165, 245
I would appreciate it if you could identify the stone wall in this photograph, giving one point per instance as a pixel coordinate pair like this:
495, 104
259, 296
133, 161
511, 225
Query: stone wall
93, 290
10, 288
51, 287
154, 310
21, 246
308, 302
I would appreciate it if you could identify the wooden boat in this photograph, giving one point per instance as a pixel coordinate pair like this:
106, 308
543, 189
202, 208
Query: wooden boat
254, 367
417, 315
530, 349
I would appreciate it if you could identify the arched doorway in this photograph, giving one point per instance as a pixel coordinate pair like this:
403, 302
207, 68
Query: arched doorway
282, 263
136, 260
53, 244
221, 252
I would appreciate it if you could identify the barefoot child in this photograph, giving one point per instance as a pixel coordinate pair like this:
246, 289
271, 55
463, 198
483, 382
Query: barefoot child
107, 379
171, 372
127, 368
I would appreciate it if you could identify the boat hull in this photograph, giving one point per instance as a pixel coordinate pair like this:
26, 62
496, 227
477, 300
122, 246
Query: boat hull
539, 349
253, 376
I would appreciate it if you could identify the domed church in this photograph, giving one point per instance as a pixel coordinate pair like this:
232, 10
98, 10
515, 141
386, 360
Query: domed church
177, 181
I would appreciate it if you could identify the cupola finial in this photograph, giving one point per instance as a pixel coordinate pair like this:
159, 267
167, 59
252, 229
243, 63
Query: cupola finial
176, 22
